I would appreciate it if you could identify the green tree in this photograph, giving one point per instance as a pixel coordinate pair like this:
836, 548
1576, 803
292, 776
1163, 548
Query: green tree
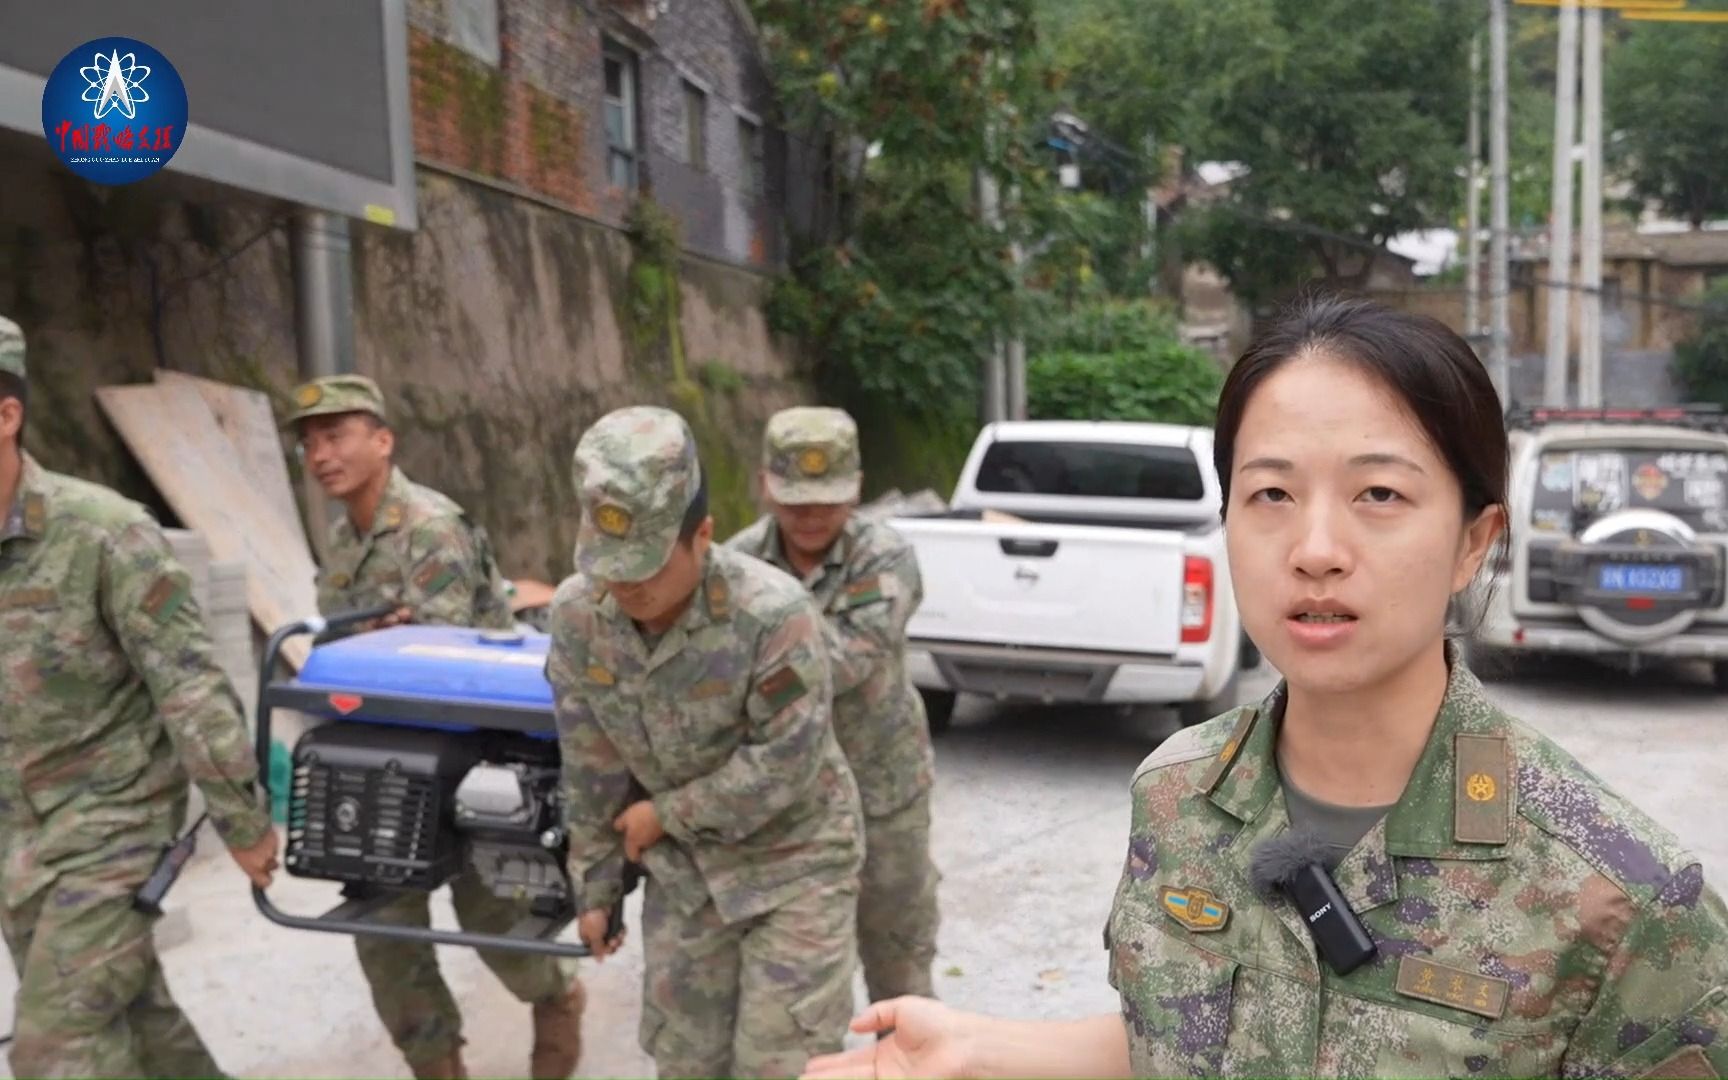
1351, 131
1350, 117
1664, 88
898, 285
1700, 362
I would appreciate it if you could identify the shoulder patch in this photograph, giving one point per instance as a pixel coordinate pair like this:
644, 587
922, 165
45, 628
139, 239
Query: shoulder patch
781, 688
1482, 799
35, 513
1690, 1063
164, 598
719, 598
1227, 753
1185, 746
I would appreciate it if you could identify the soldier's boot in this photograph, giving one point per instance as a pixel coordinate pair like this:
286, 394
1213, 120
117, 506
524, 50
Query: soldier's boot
558, 1034
446, 1067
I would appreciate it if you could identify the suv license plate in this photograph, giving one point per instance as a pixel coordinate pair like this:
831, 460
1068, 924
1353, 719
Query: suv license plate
1619, 577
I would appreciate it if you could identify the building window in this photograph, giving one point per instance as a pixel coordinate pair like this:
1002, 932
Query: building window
621, 97
750, 150
695, 126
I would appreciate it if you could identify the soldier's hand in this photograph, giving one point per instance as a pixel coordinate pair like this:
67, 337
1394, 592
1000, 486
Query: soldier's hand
259, 860
400, 616
591, 927
924, 1038
640, 824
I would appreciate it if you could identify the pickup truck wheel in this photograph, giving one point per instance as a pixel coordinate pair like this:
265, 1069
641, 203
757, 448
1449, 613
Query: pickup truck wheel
938, 709
1191, 713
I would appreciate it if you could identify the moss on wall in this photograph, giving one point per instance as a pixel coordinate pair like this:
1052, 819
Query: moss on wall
656, 333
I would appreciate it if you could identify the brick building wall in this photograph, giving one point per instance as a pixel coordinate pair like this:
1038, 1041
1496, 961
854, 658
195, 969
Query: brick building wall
513, 91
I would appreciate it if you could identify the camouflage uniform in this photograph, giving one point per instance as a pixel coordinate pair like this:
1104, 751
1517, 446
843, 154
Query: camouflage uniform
1528, 921
423, 554
868, 588
749, 918
109, 702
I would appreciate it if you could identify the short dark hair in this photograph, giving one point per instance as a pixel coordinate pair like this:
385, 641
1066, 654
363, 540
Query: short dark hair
1430, 370
696, 513
11, 386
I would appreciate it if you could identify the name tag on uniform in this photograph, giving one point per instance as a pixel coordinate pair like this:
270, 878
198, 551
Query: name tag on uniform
27, 598
1425, 980
710, 688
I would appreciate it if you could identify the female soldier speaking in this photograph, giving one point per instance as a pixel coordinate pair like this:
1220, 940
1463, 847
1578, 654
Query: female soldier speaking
1374, 871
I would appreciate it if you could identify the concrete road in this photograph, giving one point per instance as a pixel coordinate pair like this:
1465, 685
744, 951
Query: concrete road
1031, 820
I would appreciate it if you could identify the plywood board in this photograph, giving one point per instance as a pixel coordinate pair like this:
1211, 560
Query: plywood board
246, 417
171, 430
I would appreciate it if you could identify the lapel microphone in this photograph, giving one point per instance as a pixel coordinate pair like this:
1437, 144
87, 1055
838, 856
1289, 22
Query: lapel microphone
1298, 864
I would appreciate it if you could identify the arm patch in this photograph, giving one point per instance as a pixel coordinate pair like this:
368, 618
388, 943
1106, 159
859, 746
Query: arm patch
781, 688
434, 578
164, 598
865, 591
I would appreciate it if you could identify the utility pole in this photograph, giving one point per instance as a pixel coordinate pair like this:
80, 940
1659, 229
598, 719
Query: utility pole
1473, 213
1590, 272
322, 259
994, 407
1559, 291
1500, 287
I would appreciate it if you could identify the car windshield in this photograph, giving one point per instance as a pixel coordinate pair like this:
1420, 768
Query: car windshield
1576, 487
1092, 470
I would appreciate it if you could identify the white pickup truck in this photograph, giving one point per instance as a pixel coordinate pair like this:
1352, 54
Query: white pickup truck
1078, 562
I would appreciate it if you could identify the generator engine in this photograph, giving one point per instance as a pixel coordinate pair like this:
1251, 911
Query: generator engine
402, 807
437, 755
510, 816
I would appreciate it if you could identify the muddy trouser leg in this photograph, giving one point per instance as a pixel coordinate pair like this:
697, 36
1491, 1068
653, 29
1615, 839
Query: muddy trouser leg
408, 990
897, 916
689, 987
795, 981
92, 1000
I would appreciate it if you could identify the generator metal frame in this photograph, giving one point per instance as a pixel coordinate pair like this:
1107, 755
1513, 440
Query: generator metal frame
353, 915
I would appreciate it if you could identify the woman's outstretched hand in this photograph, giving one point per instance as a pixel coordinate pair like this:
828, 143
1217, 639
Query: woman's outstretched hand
924, 1038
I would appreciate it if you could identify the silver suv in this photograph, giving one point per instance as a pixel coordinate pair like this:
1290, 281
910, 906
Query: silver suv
1617, 545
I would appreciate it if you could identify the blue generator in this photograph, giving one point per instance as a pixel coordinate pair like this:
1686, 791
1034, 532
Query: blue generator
440, 756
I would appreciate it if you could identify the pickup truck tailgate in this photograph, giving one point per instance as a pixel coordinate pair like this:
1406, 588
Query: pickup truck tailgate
1048, 586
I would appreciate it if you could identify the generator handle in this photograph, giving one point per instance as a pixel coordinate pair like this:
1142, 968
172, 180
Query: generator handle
316, 625
339, 921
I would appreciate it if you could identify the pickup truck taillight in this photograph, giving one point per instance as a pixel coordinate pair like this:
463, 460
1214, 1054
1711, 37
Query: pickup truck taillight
1196, 599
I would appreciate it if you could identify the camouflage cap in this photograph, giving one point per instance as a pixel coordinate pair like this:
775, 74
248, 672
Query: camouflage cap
811, 456
333, 394
11, 348
637, 472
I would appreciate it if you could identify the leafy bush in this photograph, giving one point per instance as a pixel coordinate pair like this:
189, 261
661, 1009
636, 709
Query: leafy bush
1166, 382
1101, 327
1700, 365
1117, 360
